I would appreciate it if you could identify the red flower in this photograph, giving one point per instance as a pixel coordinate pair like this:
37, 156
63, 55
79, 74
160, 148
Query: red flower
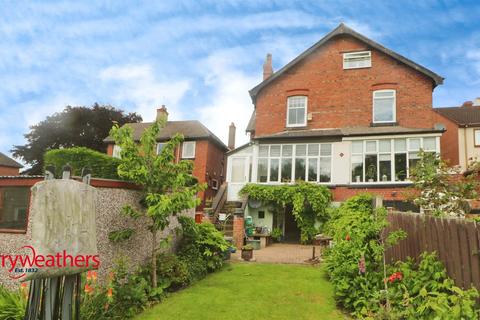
395, 276
110, 292
347, 237
88, 289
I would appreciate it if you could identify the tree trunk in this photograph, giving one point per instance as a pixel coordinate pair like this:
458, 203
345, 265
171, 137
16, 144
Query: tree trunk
154, 259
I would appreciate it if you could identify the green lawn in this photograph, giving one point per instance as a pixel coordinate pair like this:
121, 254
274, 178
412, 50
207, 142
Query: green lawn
253, 291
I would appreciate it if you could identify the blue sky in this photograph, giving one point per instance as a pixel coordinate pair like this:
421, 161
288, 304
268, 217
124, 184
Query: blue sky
201, 57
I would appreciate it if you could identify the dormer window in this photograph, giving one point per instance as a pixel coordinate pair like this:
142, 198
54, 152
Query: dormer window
356, 60
297, 111
384, 106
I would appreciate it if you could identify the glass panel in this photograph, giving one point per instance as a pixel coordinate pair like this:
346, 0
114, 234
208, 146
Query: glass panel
383, 94
188, 150
274, 169
300, 116
238, 170
429, 144
160, 147
400, 166
325, 169
371, 167
262, 170
300, 169
14, 207
383, 109
292, 116
301, 149
400, 145
384, 145
477, 137
414, 144
286, 170
371, 146
326, 150
385, 167
263, 151
275, 151
312, 169
357, 172
287, 151
357, 146
313, 149
413, 158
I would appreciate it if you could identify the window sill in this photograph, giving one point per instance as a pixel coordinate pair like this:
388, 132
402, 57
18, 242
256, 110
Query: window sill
14, 231
385, 184
383, 124
302, 126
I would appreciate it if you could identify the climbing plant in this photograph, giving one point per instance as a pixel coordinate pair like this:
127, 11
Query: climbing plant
309, 202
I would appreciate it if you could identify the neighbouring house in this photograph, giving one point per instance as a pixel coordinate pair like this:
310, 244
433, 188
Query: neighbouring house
347, 113
460, 143
200, 145
8, 166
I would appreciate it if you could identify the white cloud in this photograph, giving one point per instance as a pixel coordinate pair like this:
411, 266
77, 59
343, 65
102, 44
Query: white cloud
138, 85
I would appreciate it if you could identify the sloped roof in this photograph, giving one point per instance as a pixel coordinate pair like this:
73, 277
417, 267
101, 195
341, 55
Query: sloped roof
462, 116
251, 123
191, 130
342, 29
347, 132
8, 162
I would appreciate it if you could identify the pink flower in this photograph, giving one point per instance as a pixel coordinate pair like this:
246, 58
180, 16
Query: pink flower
361, 265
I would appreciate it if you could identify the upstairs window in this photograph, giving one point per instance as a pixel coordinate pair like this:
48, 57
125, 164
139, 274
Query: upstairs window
384, 106
356, 60
14, 203
297, 111
188, 150
160, 147
116, 151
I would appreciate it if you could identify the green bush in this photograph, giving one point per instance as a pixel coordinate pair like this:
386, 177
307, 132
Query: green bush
12, 304
102, 165
172, 272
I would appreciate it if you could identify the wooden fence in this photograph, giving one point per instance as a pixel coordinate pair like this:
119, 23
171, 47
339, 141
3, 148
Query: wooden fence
456, 241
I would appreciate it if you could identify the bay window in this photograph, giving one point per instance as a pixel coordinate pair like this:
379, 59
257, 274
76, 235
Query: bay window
387, 160
289, 162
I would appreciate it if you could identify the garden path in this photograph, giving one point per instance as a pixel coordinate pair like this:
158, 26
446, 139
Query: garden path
282, 253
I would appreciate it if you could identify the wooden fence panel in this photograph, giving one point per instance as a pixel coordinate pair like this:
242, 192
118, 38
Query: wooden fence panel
456, 241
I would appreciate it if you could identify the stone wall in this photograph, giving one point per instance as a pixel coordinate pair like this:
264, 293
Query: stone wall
109, 203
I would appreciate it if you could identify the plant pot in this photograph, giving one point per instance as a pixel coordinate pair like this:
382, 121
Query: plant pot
247, 255
370, 180
357, 178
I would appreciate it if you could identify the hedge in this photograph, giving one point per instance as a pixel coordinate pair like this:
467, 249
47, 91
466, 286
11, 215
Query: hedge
102, 165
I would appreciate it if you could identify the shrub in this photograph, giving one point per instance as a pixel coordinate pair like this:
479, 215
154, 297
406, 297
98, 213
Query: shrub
102, 165
12, 303
172, 272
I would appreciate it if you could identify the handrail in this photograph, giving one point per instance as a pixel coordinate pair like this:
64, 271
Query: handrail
219, 199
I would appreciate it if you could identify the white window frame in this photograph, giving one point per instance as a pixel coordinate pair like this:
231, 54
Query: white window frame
351, 55
116, 151
407, 151
394, 105
188, 156
288, 112
160, 144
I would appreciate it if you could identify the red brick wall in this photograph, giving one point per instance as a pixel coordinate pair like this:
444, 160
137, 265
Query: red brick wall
340, 98
391, 193
110, 149
9, 171
238, 232
449, 140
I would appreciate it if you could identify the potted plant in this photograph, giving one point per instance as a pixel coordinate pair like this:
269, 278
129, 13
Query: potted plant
247, 252
276, 234
400, 176
371, 173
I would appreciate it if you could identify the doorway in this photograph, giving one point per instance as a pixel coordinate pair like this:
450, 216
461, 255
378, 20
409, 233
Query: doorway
292, 231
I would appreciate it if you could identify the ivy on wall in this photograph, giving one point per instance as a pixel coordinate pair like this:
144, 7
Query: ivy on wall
309, 202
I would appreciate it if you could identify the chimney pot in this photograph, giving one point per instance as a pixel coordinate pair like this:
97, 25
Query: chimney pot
267, 67
231, 136
162, 112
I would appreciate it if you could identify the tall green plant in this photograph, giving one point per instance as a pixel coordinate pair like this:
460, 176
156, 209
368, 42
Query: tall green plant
12, 304
440, 189
168, 186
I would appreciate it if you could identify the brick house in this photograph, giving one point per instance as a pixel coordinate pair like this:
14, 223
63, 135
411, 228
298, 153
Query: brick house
8, 166
200, 145
460, 143
348, 113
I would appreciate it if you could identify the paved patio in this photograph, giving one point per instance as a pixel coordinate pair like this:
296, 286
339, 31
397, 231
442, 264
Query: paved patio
282, 253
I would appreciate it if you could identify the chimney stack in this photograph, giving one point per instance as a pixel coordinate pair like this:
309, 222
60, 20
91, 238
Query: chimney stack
467, 104
162, 112
267, 67
231, 136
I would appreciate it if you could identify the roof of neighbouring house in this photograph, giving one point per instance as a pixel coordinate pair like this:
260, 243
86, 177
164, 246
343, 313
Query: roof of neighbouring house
8, 162
251, 123
342, 29
462, 116
347, 132
191, 130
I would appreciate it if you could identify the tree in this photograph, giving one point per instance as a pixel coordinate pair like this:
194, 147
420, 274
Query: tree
168, 186
440, 189
73, 127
